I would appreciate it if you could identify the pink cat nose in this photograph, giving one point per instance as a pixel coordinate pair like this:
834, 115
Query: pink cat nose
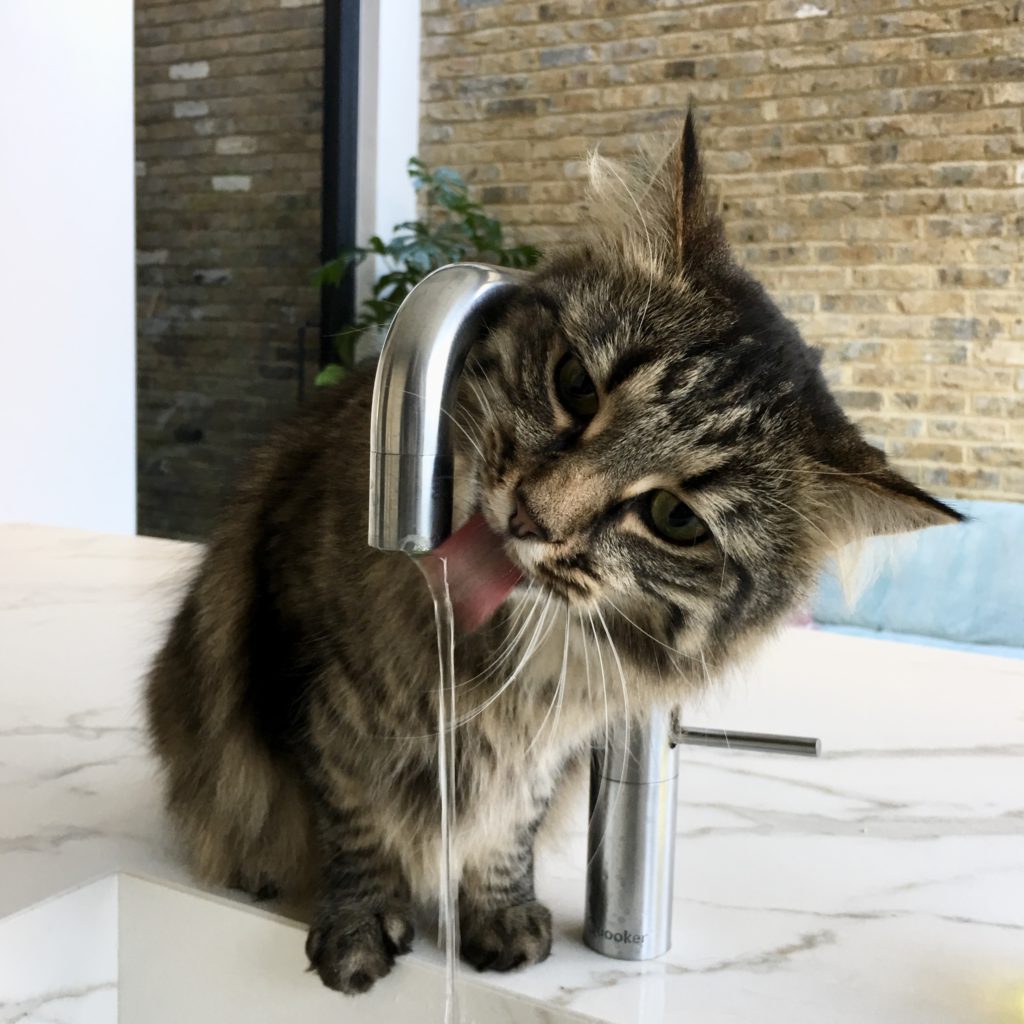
522, 524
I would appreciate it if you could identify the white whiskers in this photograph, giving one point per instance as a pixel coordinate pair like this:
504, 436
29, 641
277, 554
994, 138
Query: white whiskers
558, 695
534, 643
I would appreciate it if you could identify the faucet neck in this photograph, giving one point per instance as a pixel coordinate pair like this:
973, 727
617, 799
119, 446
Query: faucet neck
411, 457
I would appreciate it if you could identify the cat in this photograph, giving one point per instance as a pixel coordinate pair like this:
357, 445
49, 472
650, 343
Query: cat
656, 449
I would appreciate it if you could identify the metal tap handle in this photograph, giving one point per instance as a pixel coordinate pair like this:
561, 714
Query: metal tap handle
763, 742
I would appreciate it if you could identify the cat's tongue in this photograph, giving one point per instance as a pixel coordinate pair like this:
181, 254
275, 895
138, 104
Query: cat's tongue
480, 575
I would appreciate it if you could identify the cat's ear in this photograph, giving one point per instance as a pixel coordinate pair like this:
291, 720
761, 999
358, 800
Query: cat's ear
865, 497
656, 205
697, 232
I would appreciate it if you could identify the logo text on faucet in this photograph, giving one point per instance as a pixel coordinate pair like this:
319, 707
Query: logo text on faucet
623, 937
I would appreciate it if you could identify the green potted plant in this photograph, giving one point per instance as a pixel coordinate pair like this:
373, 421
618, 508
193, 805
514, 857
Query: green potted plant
453, 228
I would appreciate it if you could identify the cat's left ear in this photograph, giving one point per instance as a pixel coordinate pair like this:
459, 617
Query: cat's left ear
864, 497
697, 231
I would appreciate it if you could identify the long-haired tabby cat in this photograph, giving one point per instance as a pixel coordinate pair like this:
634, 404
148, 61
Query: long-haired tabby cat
657, 449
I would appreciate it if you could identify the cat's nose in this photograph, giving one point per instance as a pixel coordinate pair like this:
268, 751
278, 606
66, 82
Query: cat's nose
521, 522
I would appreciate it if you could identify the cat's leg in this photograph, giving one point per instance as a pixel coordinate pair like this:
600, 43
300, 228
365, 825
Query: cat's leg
502, 924
363, 917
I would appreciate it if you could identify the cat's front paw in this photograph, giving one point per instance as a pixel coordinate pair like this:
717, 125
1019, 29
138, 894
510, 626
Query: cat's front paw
354, 945
510, 937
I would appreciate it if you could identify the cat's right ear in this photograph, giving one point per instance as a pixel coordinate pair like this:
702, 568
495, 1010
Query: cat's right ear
881, 503
862, 496
697, 230
656, 207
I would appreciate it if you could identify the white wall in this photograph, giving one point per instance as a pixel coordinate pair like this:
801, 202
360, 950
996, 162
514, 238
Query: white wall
389, 120
67, 272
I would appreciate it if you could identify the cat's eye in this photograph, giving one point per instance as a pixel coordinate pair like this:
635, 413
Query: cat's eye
674, 520
575, 389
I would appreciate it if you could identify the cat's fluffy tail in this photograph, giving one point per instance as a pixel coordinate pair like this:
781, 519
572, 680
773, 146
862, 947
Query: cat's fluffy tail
241, 809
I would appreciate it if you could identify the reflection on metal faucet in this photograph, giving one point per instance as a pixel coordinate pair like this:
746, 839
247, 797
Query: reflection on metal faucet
414, 400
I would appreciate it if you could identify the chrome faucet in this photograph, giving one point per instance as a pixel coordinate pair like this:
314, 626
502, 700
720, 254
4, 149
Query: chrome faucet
414, 401
634, 775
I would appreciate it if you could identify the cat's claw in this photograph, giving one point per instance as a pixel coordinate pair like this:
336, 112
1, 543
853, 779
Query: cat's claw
354, 947
507, 938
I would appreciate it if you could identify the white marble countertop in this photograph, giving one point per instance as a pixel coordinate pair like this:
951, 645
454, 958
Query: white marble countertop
881, 883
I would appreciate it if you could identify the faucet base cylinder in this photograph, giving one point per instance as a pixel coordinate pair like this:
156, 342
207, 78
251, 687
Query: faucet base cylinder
631, 842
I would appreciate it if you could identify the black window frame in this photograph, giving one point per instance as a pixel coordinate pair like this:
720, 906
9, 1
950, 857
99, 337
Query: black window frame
340, 142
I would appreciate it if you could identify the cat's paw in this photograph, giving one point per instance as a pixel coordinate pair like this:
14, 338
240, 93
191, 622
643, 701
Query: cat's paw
353, 946
507, 938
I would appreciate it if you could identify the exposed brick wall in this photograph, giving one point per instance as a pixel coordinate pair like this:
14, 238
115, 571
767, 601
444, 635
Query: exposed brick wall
228, 99
869, 155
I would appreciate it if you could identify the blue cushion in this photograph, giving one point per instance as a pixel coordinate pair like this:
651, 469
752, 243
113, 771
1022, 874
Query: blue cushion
963, 583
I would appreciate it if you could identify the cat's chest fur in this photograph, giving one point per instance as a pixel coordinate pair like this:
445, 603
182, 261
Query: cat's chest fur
520, 736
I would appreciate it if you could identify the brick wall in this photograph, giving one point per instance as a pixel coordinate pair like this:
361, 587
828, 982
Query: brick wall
228, 98
869, 155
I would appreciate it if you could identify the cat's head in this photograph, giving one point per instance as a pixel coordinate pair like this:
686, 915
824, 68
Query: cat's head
657, 440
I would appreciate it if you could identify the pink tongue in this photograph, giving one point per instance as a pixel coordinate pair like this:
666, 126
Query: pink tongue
480, 576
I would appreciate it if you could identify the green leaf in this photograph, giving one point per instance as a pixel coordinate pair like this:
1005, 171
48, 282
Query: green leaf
380, 310
454, 228
418, 172
333, 271
521, 256
329, 274
331, 374
397, 294
386, 280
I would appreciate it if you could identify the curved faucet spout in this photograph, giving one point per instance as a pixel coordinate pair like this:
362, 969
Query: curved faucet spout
411, 463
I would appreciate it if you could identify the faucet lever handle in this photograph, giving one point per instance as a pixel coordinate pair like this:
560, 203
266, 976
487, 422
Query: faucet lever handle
763, 742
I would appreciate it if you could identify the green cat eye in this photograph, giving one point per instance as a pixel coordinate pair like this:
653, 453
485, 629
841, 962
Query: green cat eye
575, 389
673, 519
